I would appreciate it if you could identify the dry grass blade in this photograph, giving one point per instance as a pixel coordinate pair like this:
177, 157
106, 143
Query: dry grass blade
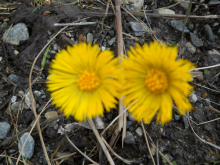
105, 150
208, 67
142, 125
211, 144
120, 54
79, 149
33, 126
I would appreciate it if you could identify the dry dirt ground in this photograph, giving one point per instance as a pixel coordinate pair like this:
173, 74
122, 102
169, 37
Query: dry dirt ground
184, 140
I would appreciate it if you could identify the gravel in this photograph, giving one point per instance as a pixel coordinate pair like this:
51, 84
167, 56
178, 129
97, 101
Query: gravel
4, 129
129, 139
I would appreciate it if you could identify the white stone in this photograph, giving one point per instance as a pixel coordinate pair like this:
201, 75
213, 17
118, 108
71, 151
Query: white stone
166, 11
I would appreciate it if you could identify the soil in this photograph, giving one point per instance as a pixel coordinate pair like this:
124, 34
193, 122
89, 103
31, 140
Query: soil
179, 141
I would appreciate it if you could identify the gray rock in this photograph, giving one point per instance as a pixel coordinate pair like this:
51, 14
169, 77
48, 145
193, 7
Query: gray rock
3, 93
133, 4
166, 11
207, 157
56, 46
193, 98
129, 124
111, 41
14, 78
191, 26
18, 32
89, 38
186, 123
109, 116
214, 158
208, 32
111, 33
184, 5
190, 48
208, 127
139, 131
129, 139
176, 117
138, 28
4, 129
195, 40
15, 106
214, 2
178, 25
29, 147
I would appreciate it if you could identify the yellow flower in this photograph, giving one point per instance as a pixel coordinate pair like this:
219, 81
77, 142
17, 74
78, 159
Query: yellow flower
154, 79
82, 80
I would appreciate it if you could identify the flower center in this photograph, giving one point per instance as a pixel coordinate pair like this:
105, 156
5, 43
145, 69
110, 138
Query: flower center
88, 80
156, 81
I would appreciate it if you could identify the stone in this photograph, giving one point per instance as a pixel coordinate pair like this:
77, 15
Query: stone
176, 117
191, 26
193, 98
18, 33
207, 157
13, 99
186, 123
166, 11
209, 33
111, 41
14, 78
89, 38
184, 5
190, 48
133, 4
28, 150
195, 40
129, 124
208, 127
214, 2
138, 28
51, 115
56, 46
15, 107
111, 33
27, 100
129, 138
4, 129
37, 93
178, 25
139, 131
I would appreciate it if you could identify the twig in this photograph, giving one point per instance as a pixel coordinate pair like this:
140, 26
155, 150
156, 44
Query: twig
120, 55
5, 53
142, 125
79, 149
207, 67
106, 12
157, 154
75, 24
105, 150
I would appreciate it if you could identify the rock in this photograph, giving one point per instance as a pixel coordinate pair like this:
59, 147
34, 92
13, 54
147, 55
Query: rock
4, 129
190, 48
133, 4
214, 158
129, 124
16, 52
214, 2
29, 147
14, 78
207, 157
111, 41
208, 127
18, 32
56, 46
178, 25
138, 28
111, 33
186, 123
139, 131
191, 26
184, 5
37, 93
176, 117
208, 32
193, 98
15, 107
109, 116
51, 115
89, 38
27, 100
195, 40
129, 139
13, 99
130, 117
166, 11
3, 93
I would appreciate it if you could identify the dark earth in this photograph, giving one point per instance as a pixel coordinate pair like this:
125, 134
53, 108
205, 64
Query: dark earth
185, 140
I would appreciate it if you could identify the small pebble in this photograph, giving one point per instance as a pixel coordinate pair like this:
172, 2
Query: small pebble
13, 99
193, 98
4, 129
178, 25
176, 117
111, 41
139, 131
51, 115
209, 33
129, 139
207, 157
28, 150
89, 38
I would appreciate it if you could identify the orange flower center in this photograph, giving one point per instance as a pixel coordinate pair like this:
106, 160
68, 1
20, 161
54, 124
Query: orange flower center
156, 81
88, 80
